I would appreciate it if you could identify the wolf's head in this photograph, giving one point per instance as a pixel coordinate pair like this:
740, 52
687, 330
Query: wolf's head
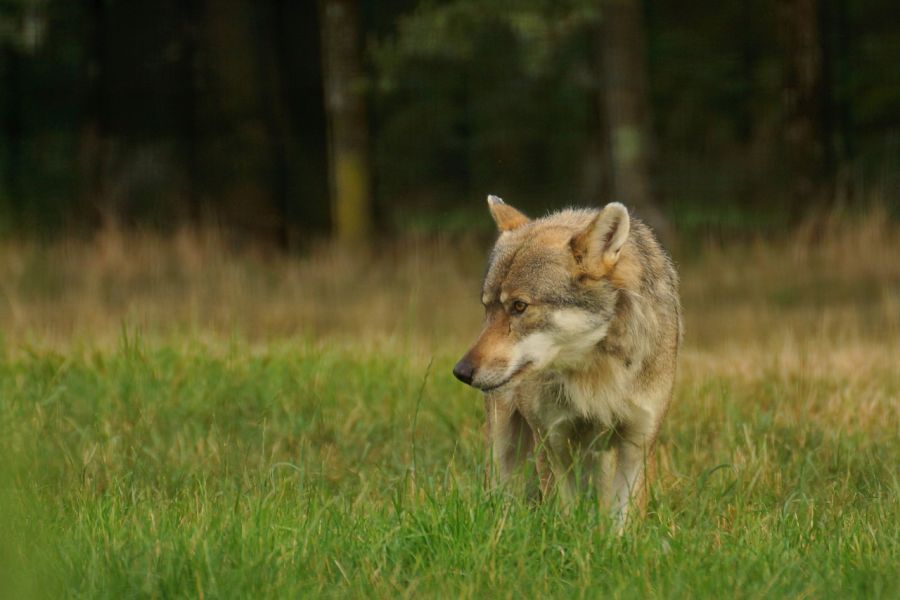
549, 292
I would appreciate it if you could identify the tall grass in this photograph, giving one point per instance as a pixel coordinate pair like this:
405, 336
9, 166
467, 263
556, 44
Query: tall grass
841, 277
179, 418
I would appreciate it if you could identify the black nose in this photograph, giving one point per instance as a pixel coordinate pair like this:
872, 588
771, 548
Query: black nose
464, 370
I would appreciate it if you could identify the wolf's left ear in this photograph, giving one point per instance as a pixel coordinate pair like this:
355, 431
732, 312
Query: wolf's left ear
505, 216
603, 239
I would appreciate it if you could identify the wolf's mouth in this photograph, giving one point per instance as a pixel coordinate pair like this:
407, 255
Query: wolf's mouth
508, 379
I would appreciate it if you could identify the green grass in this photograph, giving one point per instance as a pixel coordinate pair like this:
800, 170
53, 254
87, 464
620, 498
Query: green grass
180, 468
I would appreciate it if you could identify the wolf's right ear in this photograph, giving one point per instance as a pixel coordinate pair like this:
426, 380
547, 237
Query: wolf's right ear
505, 216
601, 242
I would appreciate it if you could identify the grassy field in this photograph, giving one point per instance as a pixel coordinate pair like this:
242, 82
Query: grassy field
182, 418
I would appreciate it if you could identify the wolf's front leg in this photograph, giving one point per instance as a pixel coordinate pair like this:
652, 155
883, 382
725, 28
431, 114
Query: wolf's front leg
575, 451
511, 441
629, 487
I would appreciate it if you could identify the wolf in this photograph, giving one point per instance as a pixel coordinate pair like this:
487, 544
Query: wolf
577, 355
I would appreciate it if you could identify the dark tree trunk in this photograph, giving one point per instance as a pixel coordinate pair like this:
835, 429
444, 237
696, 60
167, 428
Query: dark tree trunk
191, 139
306, 105
95, 137
805, 106
12, 121
241, 148
748, 58
843, 35
596, 184
627, 106
273, 69
837, 81
351, 196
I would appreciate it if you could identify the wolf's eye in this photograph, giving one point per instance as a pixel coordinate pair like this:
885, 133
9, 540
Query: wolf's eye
518, 307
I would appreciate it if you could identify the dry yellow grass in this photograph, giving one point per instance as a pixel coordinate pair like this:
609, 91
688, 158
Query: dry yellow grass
839, 293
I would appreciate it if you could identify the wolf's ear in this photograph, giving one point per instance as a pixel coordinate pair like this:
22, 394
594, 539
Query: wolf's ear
602, 240
505, 216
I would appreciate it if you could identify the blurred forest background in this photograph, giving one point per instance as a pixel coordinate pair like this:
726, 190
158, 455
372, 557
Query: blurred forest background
241, 244
286, 121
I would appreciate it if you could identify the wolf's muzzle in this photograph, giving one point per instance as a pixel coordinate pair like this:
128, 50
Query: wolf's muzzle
464, 370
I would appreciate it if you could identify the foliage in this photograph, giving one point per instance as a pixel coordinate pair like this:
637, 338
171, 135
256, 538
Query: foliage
217, 115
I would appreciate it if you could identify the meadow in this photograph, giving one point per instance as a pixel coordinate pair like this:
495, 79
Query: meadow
184, 417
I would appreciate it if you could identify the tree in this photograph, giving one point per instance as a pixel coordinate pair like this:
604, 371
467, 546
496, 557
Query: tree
96, 137
805, 104
22, 29
626, 105
351, 195
239, 142
12, 125
190, 133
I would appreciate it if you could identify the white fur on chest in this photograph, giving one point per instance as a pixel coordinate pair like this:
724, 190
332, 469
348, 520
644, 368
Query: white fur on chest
599, 394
